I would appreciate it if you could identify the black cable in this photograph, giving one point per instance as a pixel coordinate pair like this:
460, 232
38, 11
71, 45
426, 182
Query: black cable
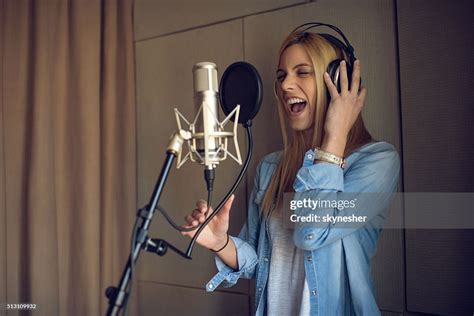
236, 183
209, 199
231, 191
222, 202
209, 180
172, 223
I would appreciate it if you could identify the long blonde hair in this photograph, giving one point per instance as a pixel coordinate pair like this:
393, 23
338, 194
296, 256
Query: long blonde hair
321, 53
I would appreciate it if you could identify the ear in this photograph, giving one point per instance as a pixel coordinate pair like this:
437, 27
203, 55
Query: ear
275, 93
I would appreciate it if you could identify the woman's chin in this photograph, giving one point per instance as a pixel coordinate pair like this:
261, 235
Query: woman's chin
300, 126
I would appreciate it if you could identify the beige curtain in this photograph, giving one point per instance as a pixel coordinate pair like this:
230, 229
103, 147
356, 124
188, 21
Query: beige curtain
67, 151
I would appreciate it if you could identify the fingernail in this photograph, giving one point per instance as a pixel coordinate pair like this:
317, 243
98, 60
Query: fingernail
343, 63
357, 62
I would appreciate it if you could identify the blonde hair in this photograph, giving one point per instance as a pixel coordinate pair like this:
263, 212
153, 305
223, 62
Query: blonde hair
321, 53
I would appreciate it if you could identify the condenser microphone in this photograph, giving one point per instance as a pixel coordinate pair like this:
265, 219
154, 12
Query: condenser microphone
205, 103
208, 143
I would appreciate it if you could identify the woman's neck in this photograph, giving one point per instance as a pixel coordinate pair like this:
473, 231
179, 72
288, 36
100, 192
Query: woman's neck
308, 138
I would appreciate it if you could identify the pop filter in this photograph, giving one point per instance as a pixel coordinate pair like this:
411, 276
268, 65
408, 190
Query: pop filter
241, 84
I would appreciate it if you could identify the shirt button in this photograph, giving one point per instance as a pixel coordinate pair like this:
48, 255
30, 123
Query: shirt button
309, 236
265, 259
210, 286
260, 289
314, 292
309, 156
309, 258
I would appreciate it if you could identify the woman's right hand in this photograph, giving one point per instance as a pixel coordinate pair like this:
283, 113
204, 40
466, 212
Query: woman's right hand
214, 235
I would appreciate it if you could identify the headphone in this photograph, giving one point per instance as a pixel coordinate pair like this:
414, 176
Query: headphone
345, 46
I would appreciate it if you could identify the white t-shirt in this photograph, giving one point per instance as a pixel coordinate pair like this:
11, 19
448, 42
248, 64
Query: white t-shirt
287, 289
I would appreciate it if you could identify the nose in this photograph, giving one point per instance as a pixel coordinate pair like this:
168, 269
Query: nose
288, 83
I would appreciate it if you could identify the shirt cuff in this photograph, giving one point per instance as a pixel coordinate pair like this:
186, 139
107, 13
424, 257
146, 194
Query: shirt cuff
246, 260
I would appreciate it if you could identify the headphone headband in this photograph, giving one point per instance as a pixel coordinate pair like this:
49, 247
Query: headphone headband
347, 47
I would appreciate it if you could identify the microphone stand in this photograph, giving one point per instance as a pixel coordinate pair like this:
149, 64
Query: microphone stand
118, 295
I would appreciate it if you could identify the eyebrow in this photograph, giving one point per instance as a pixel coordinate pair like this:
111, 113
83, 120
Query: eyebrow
299, 65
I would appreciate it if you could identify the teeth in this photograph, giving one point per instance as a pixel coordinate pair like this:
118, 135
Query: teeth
294, 100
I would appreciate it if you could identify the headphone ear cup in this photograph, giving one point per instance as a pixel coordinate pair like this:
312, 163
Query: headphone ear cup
349, 74
333, 71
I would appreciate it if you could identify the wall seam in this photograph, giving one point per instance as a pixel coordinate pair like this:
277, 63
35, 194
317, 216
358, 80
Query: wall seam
402, 181
249, 295
218, 22
4, 219
190, 287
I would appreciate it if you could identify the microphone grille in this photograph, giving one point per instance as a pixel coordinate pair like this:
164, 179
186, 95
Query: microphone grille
205, 77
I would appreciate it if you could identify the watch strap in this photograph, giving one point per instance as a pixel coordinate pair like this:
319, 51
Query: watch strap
322, 155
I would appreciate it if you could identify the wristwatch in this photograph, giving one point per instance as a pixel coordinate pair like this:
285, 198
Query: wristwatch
328, 157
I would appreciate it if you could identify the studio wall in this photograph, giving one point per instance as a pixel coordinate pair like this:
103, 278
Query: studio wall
165, 54
400, 64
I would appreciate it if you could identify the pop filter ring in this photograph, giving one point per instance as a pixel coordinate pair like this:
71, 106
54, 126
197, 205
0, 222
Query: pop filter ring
241, 85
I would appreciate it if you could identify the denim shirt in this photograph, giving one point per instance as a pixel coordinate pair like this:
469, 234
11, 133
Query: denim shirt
337, 260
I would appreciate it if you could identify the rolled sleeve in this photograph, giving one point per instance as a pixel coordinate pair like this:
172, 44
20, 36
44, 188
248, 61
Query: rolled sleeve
377, 172
246, 259
323, 176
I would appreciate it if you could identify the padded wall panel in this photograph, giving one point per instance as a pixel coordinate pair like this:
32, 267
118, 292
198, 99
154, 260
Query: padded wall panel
436, 70
384, 313
165, 81
157, 17
165, 299
370, 27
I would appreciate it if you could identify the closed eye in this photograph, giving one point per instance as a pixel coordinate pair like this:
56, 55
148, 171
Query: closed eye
304, 71
281, 76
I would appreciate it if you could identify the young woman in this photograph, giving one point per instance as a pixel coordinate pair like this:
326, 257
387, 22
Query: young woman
308, 269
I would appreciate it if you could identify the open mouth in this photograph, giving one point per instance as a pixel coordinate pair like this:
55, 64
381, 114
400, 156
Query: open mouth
296, 105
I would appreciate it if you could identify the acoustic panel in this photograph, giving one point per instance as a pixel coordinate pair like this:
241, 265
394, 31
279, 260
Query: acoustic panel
436, 75
165, 299
370, 27
155, 18
165, 81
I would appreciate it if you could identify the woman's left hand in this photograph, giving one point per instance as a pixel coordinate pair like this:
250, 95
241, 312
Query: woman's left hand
345, 106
